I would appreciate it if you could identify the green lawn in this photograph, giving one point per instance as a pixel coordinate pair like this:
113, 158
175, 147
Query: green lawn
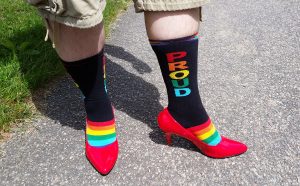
26, 61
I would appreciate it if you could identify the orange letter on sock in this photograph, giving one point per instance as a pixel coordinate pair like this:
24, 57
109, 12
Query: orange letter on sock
175, 55
177, 65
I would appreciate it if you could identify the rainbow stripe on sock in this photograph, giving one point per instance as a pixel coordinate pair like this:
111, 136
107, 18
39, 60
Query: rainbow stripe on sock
100, 134
104, 73
207, 133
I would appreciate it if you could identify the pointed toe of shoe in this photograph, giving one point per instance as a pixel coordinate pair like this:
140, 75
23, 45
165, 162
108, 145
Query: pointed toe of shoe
234, 147
103, 159
226, 148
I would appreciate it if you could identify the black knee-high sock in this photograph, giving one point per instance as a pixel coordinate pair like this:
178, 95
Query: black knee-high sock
89, 75
178, 62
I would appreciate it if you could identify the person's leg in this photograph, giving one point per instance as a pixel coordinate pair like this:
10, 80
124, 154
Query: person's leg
75, 27
82, 55
173, 37
173, 24
81, 51
73, 44
162, 28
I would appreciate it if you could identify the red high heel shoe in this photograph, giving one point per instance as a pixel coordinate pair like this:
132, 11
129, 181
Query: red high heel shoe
102, 158
226, 148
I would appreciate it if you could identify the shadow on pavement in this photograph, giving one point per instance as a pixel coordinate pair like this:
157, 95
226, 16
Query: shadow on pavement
128, 92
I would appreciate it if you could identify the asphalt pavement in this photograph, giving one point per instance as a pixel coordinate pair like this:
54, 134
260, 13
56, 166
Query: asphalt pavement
249, 82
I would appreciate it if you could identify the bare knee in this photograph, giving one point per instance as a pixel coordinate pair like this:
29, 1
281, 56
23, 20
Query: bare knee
73, 43
172, 24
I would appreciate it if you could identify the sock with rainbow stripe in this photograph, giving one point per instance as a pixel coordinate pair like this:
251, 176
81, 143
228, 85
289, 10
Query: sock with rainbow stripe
207, 133
90, 76
100, 134
178, 60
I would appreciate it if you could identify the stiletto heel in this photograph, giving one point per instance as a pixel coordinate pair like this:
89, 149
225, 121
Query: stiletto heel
168, 138
226, 148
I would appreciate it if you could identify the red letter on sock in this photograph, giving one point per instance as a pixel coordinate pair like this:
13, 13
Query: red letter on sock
177, 65
175, 55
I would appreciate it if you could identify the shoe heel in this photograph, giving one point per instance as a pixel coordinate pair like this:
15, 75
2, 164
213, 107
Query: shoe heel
168, 138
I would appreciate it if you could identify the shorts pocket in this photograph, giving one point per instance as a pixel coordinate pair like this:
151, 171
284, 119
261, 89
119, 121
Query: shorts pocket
57, 7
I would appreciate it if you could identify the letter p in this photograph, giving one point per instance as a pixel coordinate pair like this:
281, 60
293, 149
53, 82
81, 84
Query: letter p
175, 55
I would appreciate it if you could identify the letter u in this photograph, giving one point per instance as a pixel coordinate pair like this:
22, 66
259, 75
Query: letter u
185, 83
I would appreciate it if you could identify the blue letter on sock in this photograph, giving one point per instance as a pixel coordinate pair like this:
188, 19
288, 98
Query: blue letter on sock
180, 92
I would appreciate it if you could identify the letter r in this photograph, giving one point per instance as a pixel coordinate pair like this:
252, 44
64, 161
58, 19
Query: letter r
177, 65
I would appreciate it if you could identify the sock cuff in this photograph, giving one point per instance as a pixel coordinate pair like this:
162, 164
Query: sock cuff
83, 61
188, 38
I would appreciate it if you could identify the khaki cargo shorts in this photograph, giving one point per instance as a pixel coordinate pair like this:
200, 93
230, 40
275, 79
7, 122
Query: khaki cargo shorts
88, 13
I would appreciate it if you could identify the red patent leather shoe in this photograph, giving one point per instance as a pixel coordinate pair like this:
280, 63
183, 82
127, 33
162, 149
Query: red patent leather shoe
102, 159
226, 148
101, 145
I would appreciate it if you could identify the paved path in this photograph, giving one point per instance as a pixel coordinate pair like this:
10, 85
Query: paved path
249, 72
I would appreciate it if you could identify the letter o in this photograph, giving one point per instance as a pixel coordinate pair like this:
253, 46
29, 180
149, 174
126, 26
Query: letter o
182, 74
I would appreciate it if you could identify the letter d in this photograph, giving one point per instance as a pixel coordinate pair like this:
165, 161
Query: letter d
180, 92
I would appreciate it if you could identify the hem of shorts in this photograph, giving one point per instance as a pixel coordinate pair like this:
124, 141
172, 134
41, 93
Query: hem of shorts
88, 22
169, 7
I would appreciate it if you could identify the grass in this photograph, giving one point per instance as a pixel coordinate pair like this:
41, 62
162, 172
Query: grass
26, 61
